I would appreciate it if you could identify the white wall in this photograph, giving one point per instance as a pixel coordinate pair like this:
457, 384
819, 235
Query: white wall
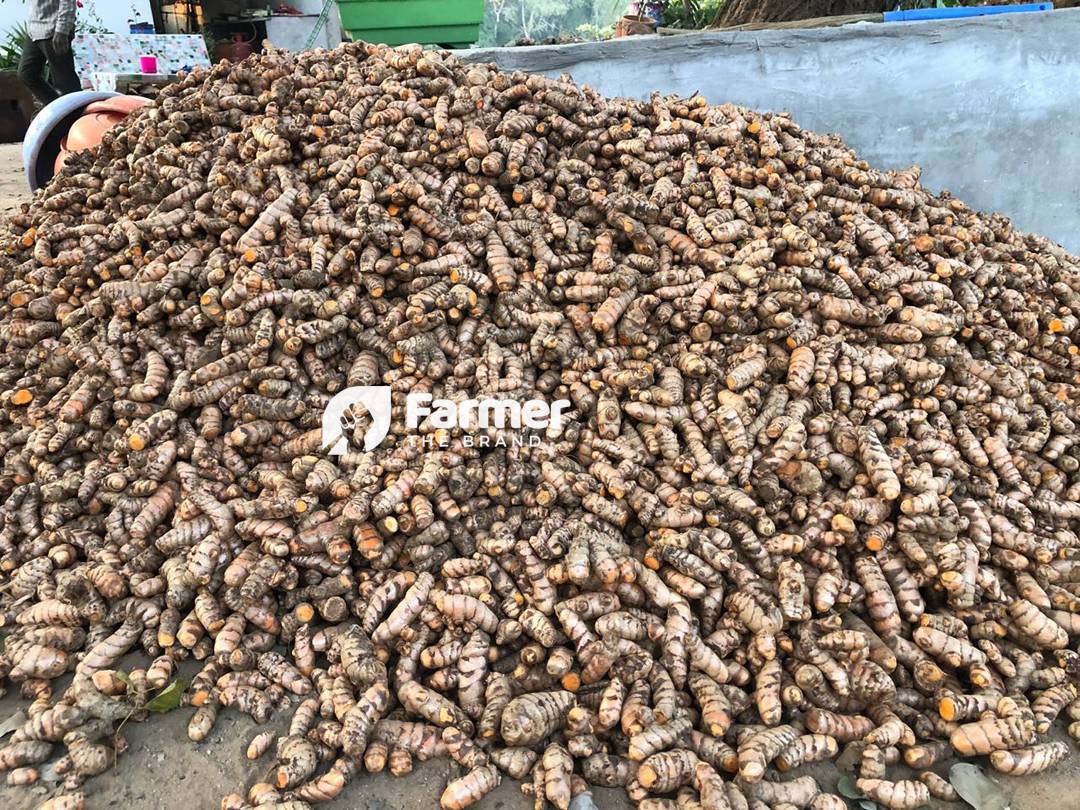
111, 14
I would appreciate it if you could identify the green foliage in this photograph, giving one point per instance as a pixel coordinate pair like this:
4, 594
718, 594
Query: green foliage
590, 32
164, 701
125, 679
11, 48
507, 21
87, 21
691, 13
167, 699
846, 788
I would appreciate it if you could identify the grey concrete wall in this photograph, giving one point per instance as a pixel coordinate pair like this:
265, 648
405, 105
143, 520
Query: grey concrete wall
989, 107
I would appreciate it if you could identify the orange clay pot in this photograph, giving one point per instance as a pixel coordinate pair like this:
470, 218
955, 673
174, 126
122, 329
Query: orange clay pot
118, 104
97, 119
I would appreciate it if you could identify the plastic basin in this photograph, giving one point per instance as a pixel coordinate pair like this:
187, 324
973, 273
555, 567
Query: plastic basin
41, 145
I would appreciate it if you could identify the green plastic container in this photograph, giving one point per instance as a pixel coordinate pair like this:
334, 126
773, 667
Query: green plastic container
447, 23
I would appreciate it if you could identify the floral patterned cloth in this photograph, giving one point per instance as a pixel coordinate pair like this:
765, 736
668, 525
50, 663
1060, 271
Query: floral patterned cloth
100, 58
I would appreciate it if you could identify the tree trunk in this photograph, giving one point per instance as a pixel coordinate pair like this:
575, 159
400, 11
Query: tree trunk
741, 12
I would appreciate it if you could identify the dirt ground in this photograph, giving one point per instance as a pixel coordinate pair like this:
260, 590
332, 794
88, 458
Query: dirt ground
13, 189
164, 770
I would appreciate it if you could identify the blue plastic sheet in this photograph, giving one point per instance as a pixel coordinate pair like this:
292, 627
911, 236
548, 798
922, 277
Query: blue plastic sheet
955, 13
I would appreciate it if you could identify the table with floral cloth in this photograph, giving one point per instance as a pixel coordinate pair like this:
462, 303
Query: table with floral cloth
101, 59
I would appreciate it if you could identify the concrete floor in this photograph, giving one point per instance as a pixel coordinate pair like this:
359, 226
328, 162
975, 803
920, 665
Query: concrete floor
164, 770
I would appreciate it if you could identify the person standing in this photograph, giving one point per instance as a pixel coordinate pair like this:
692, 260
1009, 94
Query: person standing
48, 42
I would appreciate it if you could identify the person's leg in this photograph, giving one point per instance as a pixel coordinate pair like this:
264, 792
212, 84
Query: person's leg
32, 71
62, 68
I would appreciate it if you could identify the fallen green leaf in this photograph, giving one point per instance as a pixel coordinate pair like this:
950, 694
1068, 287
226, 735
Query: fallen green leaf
125, 679
847, 789
866, 804
976, 788
14, 722
167, 699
